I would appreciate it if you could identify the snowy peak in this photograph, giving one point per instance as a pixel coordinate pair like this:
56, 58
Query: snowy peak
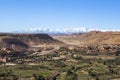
58, 31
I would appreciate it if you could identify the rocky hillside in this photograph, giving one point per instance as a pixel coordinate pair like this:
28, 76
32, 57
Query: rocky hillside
12, 43
97, 37
94, 41
93, 37
24, 41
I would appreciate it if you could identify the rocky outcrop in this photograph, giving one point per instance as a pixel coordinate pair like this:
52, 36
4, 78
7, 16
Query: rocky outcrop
104, 48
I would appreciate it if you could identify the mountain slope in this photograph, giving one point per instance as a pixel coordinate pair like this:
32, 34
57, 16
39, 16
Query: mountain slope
93, 37
31, 38
25, 41
97, 37
93, 42
9, 42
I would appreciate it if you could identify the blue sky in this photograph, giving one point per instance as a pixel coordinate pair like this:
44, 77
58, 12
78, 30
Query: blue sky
18, 15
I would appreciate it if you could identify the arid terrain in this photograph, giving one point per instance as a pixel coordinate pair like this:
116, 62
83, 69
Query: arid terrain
93, 37
86, 56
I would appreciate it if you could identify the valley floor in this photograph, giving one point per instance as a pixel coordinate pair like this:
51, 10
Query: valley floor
62, 64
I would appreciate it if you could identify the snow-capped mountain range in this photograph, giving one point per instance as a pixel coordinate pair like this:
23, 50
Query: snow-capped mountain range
61, 30
58, 31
